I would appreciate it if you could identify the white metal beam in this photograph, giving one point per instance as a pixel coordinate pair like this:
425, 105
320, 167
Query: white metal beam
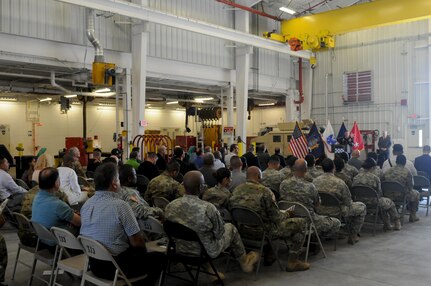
146, 14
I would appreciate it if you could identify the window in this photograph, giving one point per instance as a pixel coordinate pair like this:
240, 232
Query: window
276, 138
357, 86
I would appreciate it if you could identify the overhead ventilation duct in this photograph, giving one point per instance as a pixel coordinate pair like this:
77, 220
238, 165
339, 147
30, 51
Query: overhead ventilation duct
103, 73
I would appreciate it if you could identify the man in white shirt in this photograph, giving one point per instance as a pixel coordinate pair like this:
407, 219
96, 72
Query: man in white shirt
217, 162
233, 151
8, 188
397, 149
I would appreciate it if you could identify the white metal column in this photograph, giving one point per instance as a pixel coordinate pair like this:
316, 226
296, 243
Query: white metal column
242, 21
429, 83
229, 106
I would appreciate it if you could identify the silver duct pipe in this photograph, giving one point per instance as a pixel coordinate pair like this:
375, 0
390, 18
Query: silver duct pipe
98, 50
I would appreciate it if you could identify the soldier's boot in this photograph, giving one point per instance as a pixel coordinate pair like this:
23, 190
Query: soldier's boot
397, 225
294, 264
214, 278
387, 224
247, 261
413, 217
353, 238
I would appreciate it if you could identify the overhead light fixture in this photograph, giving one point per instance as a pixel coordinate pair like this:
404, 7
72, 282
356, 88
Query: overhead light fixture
287, 10
8, 99
172, 102
106, 104
102, 90
70, 96
266, 104
76, 103
45, 99
204, 98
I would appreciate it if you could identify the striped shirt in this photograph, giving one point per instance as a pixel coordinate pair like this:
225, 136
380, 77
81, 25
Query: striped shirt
109, 220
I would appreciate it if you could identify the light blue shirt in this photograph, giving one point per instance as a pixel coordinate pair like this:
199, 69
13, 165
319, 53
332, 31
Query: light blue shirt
109, 220
8, 186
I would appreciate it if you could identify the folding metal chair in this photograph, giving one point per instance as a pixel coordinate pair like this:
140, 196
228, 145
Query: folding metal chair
83, 182
73, 265
422, 185
142, 184
175, 232
331, 206
247, 218
24, 226
423, 174
302, 211
96, 250
43, 255
22, 184
395, 191
370, 198
225, 214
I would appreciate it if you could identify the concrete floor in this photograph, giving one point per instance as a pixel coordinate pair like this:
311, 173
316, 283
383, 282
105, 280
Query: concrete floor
389, 258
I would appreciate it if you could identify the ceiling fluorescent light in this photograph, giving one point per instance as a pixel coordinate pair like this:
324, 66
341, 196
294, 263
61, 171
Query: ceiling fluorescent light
102, 90
266, 104
287, 10
107, 104
45, 99
172, 102
8, 99
103, 94
70, 96
204, 98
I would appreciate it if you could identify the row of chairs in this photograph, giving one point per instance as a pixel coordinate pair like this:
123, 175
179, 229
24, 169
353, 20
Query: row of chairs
61, 260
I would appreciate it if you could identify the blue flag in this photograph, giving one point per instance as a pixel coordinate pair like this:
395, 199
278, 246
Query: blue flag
341, 132
315, 142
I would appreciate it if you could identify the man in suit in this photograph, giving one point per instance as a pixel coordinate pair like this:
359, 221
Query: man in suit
251, 158
423, 163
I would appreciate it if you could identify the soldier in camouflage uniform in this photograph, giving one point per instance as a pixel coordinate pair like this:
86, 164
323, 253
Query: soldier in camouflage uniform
165, 185
297, 189
272, 177
288, 170
220, 194
355, 211
257, 197
376, 170
348, 169
312, 171
340, 171
388, 211
3, 259
140, 207
204, 218
402, 175
74, 163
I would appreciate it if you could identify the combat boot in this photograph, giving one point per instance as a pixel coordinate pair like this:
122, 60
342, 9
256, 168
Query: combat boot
397, 225
294, 264
387, 224
353, 238
413, 217
247, 261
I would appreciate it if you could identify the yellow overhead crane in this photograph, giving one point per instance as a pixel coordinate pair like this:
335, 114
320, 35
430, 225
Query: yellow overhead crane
316, 32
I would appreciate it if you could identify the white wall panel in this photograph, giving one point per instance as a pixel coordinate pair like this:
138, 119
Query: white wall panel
52, 20
398, 58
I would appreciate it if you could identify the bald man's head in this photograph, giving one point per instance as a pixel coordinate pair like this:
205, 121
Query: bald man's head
193, 181
355, 154
300, 167
254, 174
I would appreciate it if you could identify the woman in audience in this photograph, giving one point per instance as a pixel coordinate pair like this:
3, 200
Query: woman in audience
42, 162
29, 169
219, 195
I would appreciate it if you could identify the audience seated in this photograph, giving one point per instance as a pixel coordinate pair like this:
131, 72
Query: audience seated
161, 158
29, 169
397, 150
277, 153
253, 195
179, 158
355, 211
288, 170
165, 185
69, 183
203, 218
8, 188
355, 161
217, 161
133, 160
262, 156
376, 170
340, 171
251, 159
423, 162
111, 221
238, 176
74, 164
148, 168
219, 195
348, 169
48, 209
42, 162
198, 161
272, 177
129, 194
207, 170
95, 161
312, 171
298, 189
233, 151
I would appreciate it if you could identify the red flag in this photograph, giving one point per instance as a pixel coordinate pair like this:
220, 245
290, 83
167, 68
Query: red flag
358, 144
298, 144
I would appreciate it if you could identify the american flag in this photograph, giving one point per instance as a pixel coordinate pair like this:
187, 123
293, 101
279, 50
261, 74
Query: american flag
298, 144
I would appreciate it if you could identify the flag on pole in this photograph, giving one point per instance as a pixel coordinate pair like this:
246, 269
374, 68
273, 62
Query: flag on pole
329, 140
298, 144
315, 142
341, 133
358, 143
